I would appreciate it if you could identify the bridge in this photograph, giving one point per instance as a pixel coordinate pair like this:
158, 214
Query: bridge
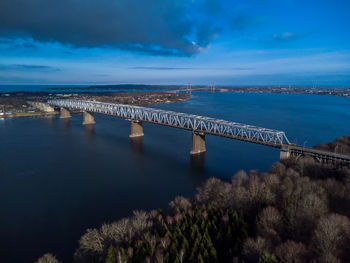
199, 125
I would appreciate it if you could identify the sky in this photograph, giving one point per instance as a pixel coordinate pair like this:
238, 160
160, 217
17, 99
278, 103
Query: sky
225, 42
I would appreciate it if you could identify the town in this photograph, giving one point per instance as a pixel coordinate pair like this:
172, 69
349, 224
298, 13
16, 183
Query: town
18, 104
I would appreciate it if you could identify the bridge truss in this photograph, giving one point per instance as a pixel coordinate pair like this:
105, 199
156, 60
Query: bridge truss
199, 124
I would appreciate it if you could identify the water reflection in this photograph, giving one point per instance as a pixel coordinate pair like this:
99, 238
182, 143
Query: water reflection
90, 135
137, 145
197, 162
90, 130
65, 122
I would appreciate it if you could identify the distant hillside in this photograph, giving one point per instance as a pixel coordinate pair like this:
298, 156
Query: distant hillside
339, 145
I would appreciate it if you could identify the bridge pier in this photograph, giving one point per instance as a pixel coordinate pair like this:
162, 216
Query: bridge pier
284, 153
197, 143
88, 118
65, 113
136, 129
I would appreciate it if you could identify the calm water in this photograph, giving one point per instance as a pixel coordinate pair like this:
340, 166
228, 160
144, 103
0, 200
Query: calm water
59, 178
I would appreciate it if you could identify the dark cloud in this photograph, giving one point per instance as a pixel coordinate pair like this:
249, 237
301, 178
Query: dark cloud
159, 27
206, 33
23, 67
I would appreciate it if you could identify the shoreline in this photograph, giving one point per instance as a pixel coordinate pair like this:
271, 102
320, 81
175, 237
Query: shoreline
18, 104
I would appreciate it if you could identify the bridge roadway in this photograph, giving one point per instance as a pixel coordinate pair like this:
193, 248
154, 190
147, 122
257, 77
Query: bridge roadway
199, 126
296, 152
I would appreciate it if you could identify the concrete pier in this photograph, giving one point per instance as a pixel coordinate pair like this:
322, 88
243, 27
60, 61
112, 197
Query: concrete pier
136, 129
284, 153
88, 118
65, 113
198, 143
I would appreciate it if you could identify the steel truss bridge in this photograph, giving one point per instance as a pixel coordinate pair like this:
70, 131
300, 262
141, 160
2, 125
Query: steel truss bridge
195, 123
200, 126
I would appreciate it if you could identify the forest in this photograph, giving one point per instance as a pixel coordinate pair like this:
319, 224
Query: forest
297, 212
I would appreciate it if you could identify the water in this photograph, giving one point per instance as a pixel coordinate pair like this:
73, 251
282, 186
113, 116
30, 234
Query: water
59, 178
35, 88
76, 88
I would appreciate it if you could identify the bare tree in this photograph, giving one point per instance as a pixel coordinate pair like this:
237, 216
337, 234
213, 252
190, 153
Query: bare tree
140, 221
181, 203
215, 192
328, 258
292, 252
165, 242
278, 168
302, 201
181, 255
159, 257
332, 235
254, 248
47, 258
92, 241
270, 224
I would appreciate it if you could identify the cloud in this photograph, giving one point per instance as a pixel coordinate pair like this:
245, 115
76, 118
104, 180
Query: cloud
158, 27
162, 68
4, 41
24, 67
24, 45
190, 68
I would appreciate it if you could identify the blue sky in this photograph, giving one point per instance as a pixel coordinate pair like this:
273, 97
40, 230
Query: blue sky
228, 42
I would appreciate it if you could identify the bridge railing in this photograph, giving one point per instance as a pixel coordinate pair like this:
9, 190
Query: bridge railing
179, 120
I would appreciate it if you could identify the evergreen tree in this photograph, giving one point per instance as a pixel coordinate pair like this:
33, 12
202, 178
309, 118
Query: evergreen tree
111, 255
268, 258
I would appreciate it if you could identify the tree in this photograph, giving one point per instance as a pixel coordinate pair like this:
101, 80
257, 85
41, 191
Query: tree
111, 255
270, 223
268, 258
47, 258
253, 249
291, 252
332, 235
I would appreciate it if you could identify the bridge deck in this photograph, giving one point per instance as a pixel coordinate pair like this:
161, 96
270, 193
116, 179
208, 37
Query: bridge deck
191, 122
325, 155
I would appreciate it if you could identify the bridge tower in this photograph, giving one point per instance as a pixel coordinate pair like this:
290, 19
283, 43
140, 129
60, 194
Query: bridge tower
65, 113
189, 88
197, 143
212, 88
88, 118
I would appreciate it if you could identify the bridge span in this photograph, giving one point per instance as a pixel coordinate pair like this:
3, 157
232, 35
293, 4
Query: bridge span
199, 125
